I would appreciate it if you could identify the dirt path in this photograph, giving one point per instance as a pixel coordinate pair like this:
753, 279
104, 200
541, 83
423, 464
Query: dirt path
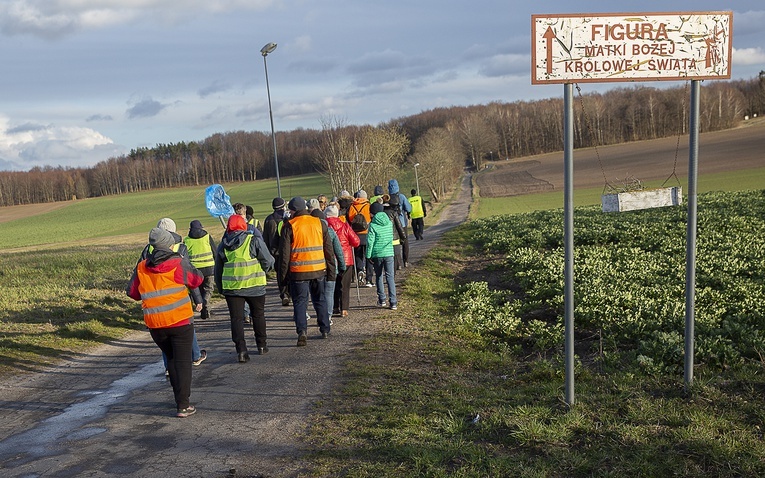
110, 412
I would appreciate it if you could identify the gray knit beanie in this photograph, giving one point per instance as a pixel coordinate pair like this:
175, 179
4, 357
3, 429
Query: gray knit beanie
167, 224
161, 239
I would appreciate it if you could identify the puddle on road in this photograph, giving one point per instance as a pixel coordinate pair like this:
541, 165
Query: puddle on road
70, 424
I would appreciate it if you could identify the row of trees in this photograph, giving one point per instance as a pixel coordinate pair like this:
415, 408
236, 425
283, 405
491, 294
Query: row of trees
443, 141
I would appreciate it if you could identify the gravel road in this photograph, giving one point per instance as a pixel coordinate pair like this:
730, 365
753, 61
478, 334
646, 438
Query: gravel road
111, 412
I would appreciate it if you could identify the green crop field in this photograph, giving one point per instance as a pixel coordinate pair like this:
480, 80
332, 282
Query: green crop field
136, 213
471, 382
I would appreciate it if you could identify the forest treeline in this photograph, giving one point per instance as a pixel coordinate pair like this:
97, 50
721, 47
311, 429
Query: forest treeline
442, 141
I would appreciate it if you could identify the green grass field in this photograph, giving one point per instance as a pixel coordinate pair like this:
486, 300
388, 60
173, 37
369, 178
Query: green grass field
137, 213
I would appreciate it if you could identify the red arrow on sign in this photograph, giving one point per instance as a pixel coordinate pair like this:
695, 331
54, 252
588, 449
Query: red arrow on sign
549, 35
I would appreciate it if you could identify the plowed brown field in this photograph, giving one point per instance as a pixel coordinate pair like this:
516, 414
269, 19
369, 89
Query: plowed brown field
729, 150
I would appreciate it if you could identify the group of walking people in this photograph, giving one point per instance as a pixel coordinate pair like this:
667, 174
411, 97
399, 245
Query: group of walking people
317, 249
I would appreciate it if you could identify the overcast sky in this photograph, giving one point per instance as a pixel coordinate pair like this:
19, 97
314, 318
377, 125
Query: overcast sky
84, 80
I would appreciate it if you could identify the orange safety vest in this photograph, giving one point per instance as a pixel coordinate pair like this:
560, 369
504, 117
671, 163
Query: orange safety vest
307, 254
360, 208
164, 301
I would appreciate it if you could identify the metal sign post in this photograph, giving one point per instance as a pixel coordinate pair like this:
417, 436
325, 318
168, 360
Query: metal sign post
604, 47
690, 235
568, 238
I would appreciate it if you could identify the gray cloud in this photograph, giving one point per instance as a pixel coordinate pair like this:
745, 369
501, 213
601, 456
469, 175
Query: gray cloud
99, 118
218, 86
27, 128
145, 108
37, 19
503, 65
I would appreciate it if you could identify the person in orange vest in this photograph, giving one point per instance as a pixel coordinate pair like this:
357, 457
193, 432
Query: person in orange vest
161, 283
307, 262
360, 207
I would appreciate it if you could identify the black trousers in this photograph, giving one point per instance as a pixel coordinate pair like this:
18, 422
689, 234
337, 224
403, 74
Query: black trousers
418, 225
343, 290
257, 312
175, 342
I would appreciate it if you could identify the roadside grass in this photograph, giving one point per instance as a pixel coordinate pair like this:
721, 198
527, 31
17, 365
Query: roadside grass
59, 303
435, 396
748, 179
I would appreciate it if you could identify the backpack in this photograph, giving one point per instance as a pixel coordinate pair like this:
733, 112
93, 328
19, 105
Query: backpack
359, 223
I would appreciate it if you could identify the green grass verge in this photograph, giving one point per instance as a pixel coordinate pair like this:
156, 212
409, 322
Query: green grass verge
436, 394
59, 303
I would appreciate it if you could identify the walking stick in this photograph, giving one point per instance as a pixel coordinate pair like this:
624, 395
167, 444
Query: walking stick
356, 276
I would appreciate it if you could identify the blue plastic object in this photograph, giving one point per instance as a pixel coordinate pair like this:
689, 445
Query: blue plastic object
218, 202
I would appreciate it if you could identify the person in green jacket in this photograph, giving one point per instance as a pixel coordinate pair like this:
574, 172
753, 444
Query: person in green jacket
380, 252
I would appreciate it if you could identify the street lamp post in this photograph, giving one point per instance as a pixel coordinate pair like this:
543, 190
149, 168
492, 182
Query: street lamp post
417, 178
268, 48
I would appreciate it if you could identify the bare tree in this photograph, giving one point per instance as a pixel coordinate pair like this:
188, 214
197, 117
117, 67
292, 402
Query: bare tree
440, 157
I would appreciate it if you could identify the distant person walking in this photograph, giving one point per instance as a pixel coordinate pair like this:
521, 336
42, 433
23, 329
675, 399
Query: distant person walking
378, 194
161, 283
403, 215
380, 252
307, 262
241, 264
337, 247
348, 240
201, 247
272, 228
418, 215
251, 221
399, 233
359, 219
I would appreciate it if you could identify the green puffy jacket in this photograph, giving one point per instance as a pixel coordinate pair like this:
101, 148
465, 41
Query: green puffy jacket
380, 237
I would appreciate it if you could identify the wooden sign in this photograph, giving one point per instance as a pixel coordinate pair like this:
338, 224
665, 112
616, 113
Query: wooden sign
601, 47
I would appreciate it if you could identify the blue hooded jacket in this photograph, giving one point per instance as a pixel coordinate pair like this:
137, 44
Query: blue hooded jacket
406, 207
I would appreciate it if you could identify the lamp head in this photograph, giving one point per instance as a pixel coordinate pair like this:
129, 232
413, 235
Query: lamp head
416, 164
268, 48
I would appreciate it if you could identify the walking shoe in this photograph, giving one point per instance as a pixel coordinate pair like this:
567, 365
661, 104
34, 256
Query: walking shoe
345, 313
285, 301
202, 358
381, 303
336, 312
393, 307
205, 314
263, 350
244, 357
246, 320
186, 412
362, 278
369, 284
302, 339
325, 334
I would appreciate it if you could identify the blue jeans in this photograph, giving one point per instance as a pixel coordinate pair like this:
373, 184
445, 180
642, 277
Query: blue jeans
329, 296
195, 351
301, 291
386, 264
